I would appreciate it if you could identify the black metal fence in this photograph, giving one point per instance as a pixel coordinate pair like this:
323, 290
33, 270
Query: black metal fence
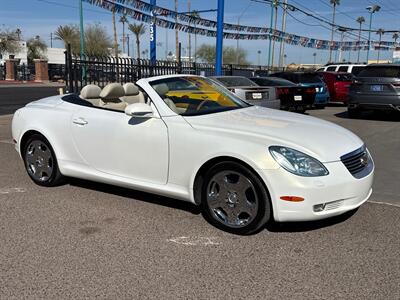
103, 70
22, 72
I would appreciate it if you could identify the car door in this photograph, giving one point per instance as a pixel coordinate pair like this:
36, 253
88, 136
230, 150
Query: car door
117, 144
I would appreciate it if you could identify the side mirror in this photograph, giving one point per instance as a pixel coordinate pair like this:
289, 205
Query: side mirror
139, 110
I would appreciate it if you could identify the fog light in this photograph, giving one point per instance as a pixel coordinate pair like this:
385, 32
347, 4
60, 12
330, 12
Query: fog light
319, 207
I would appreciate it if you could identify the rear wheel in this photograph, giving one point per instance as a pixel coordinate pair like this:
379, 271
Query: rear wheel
40, 162
234, 199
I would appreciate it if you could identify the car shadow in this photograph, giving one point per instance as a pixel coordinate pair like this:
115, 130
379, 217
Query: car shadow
390, 116
309, 225
135, 195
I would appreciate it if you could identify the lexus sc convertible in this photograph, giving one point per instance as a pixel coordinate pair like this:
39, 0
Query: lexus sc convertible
189, 138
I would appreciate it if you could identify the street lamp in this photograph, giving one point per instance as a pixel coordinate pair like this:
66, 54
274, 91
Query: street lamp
371, 9
342, 32
315, 58
258, 58
238, 24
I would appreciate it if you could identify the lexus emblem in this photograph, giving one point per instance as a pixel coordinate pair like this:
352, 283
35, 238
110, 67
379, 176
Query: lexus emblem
364, 159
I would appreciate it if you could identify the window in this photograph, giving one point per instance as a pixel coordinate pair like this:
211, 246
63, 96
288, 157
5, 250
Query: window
195, 95
356, 70
343, 69
344, 77
273, 82
309, 78
233, 81
331, 69
380, 71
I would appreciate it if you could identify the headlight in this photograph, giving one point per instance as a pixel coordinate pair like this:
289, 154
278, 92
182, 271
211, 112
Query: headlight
297, 162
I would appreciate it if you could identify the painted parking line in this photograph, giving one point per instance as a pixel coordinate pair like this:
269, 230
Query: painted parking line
195, 241
383, 203
6, 141
4, 191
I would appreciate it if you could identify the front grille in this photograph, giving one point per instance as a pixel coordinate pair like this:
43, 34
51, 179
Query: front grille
358, 162
334, 205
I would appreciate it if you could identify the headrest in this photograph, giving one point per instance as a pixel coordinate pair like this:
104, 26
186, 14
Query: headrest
161, 89
112, 91
90, 91
131, 89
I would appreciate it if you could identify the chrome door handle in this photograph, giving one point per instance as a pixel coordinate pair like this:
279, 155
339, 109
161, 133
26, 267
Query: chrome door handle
79, 121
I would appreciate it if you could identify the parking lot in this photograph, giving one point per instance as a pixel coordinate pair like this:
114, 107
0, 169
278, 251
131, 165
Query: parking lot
85, 239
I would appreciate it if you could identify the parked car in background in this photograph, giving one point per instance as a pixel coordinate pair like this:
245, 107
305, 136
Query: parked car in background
293, 97
249, 91
347, 68
377, 87
308, 79
338, 84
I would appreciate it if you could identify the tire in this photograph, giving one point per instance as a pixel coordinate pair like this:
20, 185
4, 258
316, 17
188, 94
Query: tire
41, 162
353, 113
320, 106
234, 199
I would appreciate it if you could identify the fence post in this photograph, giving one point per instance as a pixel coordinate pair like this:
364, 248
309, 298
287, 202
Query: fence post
68, 65
231, 69
180, 59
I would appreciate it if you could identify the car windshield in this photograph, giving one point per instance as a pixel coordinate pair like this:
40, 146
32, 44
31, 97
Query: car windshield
380, 71
232, 81
192, 95
309, 78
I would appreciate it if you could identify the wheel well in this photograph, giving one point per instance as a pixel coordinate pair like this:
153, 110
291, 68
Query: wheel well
199, 179
25, 139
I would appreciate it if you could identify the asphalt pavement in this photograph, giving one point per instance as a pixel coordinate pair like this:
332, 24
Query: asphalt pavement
85, 240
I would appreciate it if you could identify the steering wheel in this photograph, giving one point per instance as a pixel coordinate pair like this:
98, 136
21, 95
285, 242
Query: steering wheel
203, 103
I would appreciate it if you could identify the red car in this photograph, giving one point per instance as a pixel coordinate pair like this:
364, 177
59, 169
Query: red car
338, 84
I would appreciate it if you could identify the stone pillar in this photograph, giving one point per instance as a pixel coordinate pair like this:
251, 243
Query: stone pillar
11, 69
41, 70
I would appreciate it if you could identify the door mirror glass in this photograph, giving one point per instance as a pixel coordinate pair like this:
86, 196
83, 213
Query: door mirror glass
139, 110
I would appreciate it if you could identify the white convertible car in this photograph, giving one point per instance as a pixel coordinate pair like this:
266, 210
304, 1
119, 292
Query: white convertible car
188, 138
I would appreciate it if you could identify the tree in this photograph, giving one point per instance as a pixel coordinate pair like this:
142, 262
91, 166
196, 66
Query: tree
207, 53
138, 30
9, 42
359, 20
395, 36
36, 48
123, 20
97, 40
334, 3
380, 32
69, 34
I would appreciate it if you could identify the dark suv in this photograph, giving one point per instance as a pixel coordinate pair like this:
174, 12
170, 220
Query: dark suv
377, 87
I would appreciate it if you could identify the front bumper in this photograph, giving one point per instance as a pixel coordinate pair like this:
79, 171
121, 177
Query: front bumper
321, 98
339, 192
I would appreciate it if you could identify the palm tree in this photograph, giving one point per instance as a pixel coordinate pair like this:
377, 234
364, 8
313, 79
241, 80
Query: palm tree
123, 19
115, 33
69, 34
395, 36
36, 48
381, 32
359, 20
18, 32
334, 3
137, 30
195, 14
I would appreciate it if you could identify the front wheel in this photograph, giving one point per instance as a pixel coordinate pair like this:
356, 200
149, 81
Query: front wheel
40, 162
234, 199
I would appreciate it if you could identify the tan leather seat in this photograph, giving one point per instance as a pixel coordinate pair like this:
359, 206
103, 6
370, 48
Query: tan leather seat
162, 89
132, 94
111, 95
91, 93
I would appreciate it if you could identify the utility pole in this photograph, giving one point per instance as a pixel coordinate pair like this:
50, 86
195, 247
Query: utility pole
273, 42
220, 38
127, 40
282, 45
176, 30
51, 40
270, 38
81, 29
342, 32
372, 9
189, 37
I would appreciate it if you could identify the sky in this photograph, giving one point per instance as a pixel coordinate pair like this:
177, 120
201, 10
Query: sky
42, 17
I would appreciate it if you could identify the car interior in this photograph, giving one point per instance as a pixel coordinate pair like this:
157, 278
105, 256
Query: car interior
113, 96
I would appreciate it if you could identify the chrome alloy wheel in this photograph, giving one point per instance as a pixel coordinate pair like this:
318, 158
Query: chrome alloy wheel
232, 199
39, 160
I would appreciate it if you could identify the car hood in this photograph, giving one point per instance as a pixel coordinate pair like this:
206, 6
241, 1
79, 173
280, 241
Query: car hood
321, 139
